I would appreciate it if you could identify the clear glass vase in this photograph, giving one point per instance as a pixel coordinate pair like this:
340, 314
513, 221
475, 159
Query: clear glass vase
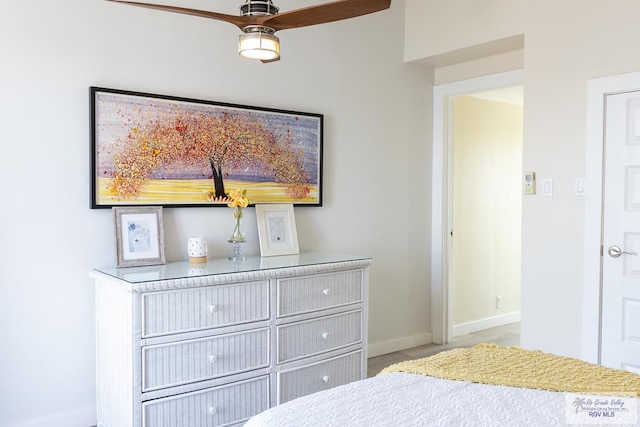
237, 236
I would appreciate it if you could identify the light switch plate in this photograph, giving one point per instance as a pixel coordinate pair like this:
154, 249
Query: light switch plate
530, 183
547, 187
581, 187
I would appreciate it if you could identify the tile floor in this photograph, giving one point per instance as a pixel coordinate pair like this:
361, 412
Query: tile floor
506, 335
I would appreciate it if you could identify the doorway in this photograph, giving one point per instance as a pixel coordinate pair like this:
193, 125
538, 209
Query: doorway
444, 177
486, 209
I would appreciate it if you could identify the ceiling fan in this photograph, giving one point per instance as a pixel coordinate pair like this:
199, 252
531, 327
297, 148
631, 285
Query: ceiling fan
260, 19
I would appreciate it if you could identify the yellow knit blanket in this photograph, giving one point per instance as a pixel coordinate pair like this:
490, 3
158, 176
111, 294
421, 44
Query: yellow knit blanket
517, 367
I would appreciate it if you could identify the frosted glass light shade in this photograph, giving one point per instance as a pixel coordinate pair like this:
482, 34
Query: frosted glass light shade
259, 45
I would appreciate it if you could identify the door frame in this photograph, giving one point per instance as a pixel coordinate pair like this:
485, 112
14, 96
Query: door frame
597, 90
441, 322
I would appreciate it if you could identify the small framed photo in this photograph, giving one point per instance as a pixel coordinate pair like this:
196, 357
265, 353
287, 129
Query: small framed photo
139, 236
277, 229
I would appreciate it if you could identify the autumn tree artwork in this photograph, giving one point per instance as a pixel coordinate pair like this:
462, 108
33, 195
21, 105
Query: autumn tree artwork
155, 150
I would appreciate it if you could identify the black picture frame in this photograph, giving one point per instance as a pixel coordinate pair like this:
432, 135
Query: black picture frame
160, 150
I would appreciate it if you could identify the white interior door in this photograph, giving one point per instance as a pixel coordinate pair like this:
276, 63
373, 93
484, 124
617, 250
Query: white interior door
620, 331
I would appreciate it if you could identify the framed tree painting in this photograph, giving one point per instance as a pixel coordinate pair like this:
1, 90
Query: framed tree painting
156, 150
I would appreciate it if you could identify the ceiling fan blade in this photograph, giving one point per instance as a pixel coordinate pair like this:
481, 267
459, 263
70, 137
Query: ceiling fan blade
238, 21
323, 13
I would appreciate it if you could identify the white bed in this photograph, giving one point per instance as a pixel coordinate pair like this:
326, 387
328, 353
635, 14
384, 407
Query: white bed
414, 399
401, 399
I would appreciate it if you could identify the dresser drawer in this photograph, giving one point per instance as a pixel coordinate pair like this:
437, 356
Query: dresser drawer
319, 376
315, 336
172, 364
219, 406
201, 308
309, 293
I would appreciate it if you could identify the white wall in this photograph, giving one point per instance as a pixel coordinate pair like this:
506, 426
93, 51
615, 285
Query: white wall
376, 111
485, 66
565, 44
446, 32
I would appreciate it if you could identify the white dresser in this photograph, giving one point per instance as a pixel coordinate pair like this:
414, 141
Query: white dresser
208, 345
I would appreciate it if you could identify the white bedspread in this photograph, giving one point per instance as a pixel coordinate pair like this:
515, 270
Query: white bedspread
400, 399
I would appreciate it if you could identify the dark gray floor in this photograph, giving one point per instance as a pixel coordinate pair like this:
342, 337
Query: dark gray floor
506, 335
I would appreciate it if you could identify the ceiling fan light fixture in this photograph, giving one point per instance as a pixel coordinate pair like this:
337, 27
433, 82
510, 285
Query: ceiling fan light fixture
259, 42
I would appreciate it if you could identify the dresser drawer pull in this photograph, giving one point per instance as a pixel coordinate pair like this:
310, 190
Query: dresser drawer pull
325, 335
213, 308
325, 379
326, 291
212, 410
213, 358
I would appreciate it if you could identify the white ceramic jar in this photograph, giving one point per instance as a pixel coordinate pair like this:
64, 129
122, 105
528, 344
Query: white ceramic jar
197, 249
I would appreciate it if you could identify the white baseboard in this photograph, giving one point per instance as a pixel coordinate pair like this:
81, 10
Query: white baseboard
489, 322
379, 348
84, 418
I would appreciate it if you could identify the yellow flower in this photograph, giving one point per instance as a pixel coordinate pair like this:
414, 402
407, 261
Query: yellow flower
238, 198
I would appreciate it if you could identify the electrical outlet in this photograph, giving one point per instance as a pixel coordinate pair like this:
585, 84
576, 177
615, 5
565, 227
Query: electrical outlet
499, 302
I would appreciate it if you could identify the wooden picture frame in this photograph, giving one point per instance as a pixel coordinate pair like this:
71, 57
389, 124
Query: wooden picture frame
277, 230
157, 150
139, 236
